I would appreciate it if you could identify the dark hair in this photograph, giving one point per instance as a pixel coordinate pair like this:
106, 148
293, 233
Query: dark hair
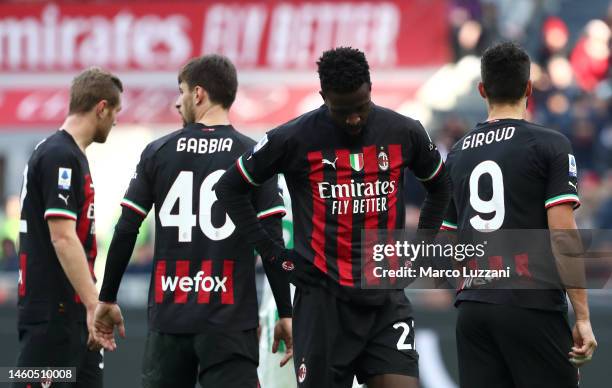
504, 69
92, 86
343, 70
216, 74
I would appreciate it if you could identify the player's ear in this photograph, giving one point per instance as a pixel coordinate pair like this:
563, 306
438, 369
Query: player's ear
528, 89
481, 90
200, 95
100, 106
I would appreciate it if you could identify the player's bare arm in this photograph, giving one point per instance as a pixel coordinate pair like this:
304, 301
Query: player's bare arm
561, 219
72, 259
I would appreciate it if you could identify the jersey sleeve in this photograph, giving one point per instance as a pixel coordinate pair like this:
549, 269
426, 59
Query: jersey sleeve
264, 160
562, 174
426, 162
268, 200
61, 181
139, 195
450, 218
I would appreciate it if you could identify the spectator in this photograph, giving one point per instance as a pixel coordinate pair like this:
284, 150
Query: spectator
591, 57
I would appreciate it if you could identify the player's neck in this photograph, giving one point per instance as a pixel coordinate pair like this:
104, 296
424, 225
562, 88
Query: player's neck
507, 111
214, 115
81, 130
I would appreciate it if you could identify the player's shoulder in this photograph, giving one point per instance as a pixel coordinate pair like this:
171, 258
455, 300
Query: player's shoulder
58, 146
158, 144
241, 138
301, 124
544, 135
394, 120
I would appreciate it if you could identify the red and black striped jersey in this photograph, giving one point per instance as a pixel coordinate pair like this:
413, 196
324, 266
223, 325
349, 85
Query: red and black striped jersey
505, 174
341, 185
203, 270
56, 183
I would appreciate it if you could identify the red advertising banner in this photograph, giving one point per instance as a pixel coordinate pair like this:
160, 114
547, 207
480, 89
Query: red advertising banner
256, 107
265, 34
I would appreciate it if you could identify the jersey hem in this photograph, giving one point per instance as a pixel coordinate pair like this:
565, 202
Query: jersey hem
271, 212
433, 174
244, 172
131, 205
60, 213
560, 199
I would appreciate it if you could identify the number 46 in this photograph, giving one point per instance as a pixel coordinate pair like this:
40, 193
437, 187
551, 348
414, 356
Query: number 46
185, 220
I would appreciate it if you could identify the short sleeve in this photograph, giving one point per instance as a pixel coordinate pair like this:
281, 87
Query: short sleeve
426, 162
264, 160
139, 195
268, 200
562, 174
450, 219
61, 181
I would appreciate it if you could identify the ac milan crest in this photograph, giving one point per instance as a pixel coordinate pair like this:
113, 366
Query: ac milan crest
383, 161
301, 373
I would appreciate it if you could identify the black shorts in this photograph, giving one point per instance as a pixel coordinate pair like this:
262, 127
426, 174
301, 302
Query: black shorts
217, 358
335, 340
505, 346
60, 343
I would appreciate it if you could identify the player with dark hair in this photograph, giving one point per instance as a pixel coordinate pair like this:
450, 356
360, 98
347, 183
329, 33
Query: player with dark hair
202, 298
508, 173
57, 294
344, 165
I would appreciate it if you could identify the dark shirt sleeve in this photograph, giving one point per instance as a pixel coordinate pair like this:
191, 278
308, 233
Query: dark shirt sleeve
61, 181
270, 208
252, 170
427, 165
136, 204
562, 174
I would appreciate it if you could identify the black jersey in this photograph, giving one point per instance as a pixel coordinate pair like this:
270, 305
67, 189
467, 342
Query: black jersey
56, 183
203, 270
340, 185
505, 174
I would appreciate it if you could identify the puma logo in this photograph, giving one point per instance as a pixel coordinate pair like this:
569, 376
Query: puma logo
333, 164
573, 185
65, 199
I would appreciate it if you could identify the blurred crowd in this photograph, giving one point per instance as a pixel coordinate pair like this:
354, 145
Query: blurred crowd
572, 94
571, 75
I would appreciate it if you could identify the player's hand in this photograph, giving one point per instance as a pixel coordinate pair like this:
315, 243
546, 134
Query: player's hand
107, 317
584, 343
282, 331
300, 271
92, 343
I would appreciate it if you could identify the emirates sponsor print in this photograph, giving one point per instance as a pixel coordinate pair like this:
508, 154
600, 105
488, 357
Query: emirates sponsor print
354, 196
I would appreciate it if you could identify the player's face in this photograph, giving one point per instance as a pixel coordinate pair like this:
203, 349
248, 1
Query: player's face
349, 111
107, 120
184, 104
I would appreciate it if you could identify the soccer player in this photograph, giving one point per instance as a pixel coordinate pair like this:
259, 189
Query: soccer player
57, 295
344, 164
202, 299
508, 173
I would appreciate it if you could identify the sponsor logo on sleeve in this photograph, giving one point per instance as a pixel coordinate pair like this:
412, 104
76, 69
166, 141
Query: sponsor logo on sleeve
64, 178
573, 168
261, 143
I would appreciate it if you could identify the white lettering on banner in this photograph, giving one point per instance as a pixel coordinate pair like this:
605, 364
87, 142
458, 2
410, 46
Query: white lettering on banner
198, 282
299, 33
278, 35
235, 31
52, 40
